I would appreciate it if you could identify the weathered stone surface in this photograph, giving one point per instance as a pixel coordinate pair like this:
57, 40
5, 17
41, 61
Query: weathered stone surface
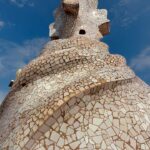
76, 95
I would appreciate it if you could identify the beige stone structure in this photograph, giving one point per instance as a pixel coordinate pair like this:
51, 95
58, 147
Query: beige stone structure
76, 95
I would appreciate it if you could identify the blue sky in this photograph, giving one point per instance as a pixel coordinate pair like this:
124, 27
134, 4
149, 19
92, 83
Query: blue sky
24, 30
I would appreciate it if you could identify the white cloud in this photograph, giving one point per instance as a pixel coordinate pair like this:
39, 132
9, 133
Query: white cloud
22, 3
14, 56
6, 24
126, 12
142, 61
2, 24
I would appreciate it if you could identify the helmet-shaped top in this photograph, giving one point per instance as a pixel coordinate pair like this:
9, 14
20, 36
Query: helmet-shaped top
79, 17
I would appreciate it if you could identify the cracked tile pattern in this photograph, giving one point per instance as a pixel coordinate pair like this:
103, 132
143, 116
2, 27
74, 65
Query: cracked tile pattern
76, 95
93, 103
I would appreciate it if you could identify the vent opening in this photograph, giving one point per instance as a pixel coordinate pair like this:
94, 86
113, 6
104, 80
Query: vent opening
82, 32
23, 84
54, 38
11, 83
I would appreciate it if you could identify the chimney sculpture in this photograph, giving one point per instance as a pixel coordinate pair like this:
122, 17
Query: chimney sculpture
76, 95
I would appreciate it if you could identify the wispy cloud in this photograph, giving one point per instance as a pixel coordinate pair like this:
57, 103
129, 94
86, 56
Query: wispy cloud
2, 24
126, 12
22, 3
141, 62
6, 25
14, 56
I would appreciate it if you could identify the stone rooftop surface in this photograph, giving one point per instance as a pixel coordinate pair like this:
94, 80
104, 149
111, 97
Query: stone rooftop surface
76, 95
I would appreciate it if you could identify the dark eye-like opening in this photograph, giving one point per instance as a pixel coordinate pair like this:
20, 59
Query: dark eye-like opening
11, 83
54, 38
82, 32
23, 84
